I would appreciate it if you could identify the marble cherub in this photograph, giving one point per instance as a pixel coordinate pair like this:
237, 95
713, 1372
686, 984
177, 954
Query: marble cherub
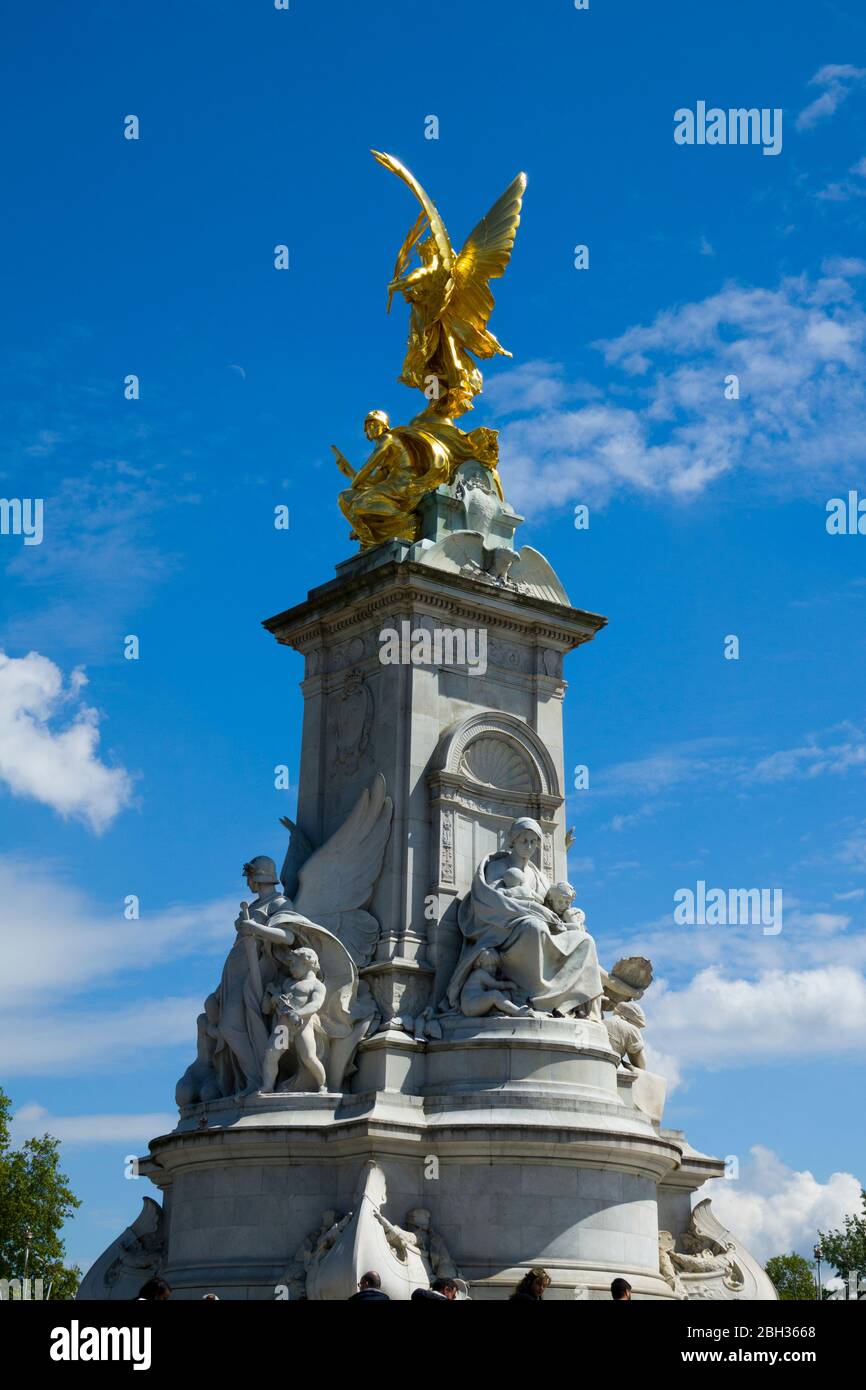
560, 897
294, 1003
485, 992
624, 1027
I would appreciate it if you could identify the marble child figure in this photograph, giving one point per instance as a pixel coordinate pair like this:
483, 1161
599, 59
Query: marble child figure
560, 897
295, 1005
484, 992
624, 1031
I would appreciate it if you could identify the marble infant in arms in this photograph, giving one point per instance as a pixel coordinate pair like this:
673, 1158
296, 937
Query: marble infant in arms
525, 949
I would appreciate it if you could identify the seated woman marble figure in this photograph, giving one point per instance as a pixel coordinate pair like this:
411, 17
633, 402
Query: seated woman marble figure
553, 964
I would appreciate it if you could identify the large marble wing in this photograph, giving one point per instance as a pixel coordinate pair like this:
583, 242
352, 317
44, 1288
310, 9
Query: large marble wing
297, 853
336, 883
532, 572
483, 258
464, 552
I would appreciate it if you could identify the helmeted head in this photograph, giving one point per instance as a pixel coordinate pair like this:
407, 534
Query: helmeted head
376, 423
525, 836
261, 872
632, 1013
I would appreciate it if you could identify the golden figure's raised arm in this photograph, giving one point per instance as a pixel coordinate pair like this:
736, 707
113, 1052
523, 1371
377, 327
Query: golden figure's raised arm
437, 226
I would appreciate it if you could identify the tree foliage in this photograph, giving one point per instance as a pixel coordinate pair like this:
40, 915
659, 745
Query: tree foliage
35, 1199
845, 1249
792, 1276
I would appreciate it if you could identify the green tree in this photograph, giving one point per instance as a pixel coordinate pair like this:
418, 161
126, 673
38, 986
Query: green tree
35, 1199
792, 1276
845, 1249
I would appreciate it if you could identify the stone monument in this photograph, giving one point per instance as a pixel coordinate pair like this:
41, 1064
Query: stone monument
414, 1060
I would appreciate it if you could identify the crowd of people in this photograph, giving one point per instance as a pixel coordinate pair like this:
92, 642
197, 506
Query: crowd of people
531, 1289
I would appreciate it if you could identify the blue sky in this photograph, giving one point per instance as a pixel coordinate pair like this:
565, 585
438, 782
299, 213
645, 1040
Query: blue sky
155, 257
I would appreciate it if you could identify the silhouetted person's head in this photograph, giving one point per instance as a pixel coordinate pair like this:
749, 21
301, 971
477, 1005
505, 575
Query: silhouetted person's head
155, 1291
620, 1291
533, 1284
447, 1287
370, 1280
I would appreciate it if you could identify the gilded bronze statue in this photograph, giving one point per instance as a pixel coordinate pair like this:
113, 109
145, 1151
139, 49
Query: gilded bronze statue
450, 305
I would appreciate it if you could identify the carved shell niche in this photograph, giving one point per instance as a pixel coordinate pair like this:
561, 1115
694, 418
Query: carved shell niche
494, 762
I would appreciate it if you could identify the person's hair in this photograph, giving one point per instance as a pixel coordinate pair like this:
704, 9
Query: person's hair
531, 1277
154, 1289
440, 1285
619, 1288
371, 1280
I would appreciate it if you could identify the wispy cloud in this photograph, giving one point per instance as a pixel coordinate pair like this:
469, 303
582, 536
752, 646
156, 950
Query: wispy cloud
82, 1041
840, 754
836, 81
32, 1120
796, 353
87, 945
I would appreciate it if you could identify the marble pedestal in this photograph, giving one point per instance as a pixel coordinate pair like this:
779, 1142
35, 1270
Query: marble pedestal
520, 1136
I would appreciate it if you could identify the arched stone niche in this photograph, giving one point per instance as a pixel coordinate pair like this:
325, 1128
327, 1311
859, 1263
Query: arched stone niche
487, 769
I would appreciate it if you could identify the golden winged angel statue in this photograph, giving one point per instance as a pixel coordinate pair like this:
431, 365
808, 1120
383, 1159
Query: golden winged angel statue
449, 295
450, 306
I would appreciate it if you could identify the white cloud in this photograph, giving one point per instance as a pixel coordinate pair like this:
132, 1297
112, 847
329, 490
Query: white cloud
32, 1120
717, 1021
773, 1209
797, 352
90, 948
814, 757
535, 385
58, 767
853, 848
79, 1042
837, 80
88, 945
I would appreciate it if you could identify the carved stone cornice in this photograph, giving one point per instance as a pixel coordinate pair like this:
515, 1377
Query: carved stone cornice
345, 603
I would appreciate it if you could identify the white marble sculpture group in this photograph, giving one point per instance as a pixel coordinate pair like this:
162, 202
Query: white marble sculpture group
291, 1009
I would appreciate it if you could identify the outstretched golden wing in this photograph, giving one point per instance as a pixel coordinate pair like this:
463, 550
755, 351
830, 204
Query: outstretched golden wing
484, 257
437, 226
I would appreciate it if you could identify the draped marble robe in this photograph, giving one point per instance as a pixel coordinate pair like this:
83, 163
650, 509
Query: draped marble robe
243, 1031
553, 965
